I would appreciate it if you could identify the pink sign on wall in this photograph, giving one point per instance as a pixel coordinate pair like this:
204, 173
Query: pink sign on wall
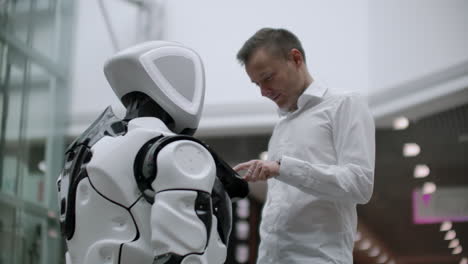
445, 204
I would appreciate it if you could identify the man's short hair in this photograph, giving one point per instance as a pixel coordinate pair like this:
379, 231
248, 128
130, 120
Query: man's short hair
278, 42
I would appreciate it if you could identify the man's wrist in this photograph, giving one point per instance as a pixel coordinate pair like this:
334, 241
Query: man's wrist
278, 161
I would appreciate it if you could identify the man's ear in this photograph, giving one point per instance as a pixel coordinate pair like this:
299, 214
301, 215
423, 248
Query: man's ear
296, 57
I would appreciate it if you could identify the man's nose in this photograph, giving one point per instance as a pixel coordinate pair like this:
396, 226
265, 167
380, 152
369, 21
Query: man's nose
265, 90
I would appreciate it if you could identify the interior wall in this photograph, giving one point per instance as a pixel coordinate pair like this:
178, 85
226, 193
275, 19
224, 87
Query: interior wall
418, 58
414, 39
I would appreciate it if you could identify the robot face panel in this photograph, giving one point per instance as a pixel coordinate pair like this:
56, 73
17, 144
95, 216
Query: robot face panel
169, 73
178, 73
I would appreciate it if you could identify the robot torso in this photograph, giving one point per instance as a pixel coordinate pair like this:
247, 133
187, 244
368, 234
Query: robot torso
137, 193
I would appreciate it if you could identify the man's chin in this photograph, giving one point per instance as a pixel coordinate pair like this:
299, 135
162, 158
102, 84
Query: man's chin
282, 106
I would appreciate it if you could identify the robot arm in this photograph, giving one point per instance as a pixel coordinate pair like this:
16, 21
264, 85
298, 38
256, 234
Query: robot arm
183, 226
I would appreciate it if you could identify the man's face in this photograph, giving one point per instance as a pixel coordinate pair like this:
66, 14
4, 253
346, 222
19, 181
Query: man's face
277, 77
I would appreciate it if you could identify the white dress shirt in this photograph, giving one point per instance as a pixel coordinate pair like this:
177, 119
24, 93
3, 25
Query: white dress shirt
327, 153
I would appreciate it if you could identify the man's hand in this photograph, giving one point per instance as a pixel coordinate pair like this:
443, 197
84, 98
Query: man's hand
258, 170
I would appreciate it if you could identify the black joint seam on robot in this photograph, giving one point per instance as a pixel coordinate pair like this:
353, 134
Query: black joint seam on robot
172, 258
137, 200
120, 253
144, 168
169, 258
117, 128
77, 158
222, 210
204, 210
181, 189
120, 205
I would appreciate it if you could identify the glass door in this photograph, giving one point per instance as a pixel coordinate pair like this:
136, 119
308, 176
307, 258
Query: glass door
34, 36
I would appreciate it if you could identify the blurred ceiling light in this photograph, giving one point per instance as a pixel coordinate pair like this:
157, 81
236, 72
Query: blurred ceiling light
365, 244
421, 171
429, 187
446, 226
454, 243
263, 155
358, 236
242, 253
243, 208
382, 259
464, 261
374, 252
450, 235
400, 123
243, 203
51, 214
411, 149
42, 166
52, 233
242, 230
457, 250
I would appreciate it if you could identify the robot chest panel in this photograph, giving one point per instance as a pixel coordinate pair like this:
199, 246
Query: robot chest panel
111, 169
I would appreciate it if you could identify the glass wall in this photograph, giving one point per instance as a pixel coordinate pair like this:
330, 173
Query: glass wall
35, 42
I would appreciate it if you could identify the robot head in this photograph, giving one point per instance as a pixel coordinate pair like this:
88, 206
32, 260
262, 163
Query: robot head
168, 75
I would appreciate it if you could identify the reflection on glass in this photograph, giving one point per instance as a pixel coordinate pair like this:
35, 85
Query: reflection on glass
18, 13
37, 122
7, 233
11, 165
34, 36
32, 239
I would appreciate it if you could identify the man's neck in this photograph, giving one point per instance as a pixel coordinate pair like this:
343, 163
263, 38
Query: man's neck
307, 82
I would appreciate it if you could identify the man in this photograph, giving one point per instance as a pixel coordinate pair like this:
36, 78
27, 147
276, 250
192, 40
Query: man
320, 157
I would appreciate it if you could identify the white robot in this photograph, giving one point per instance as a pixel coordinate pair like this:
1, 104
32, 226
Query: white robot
141, 189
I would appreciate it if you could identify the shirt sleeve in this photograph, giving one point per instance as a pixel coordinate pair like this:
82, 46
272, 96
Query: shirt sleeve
352, 178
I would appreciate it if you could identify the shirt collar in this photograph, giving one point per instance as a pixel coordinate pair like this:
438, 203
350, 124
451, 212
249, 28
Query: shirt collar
314, 92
